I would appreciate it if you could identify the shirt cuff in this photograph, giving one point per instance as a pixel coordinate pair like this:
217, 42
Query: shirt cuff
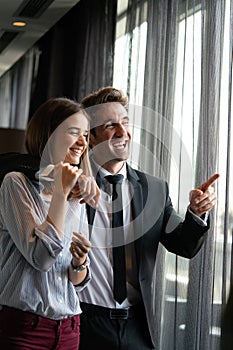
200, 221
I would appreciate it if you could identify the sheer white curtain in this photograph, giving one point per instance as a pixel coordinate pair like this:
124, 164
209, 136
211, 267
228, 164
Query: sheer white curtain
175, 62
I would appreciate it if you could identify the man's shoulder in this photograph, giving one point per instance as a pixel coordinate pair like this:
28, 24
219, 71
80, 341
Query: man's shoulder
144, 176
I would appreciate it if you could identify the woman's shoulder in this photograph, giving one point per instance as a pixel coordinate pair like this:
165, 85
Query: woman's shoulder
14, 176
16, 179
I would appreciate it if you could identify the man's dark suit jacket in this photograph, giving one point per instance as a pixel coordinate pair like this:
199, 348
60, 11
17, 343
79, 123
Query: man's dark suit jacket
155, 221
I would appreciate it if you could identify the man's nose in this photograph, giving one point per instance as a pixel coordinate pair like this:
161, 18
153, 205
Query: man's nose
120, 129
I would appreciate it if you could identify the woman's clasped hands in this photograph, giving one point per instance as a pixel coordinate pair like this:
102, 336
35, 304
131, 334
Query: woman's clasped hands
74, 184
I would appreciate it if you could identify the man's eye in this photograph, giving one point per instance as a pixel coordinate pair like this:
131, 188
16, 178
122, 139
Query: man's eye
109, 126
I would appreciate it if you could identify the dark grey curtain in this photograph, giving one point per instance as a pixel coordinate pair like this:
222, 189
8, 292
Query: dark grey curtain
15, 92
77, 53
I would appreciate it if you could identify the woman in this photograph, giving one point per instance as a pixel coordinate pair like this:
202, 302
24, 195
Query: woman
43, 254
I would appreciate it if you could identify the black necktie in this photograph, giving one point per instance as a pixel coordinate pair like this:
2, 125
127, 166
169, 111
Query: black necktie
119, 269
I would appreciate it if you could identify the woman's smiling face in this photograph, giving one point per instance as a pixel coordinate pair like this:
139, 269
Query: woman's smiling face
70, 140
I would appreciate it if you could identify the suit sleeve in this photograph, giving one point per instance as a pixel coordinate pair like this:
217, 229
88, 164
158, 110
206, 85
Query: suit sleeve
183, 237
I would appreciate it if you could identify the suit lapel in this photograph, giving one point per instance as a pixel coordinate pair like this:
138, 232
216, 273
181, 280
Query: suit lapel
136, 202
139, 192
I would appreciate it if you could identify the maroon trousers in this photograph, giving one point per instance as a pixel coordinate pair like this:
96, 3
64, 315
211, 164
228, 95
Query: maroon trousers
20, 330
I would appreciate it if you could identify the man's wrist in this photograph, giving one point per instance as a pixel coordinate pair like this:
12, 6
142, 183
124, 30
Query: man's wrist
201, 220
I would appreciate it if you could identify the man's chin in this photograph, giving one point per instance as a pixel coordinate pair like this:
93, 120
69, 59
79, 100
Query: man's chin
120, 156
113, 161
107, 158
120, 159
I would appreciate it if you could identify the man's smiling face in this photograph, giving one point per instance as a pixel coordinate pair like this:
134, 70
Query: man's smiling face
111, 139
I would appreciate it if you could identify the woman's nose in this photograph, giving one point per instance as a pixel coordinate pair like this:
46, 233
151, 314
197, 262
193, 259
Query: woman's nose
82, 139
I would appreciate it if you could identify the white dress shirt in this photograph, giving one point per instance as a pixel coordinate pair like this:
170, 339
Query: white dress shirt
100, 291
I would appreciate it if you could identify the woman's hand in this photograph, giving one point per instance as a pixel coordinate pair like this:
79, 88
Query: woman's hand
65, 177
79, 248
87, 190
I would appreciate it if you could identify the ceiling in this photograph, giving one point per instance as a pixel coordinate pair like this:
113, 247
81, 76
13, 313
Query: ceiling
40, 16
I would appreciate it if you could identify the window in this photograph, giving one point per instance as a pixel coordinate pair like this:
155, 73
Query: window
131, 47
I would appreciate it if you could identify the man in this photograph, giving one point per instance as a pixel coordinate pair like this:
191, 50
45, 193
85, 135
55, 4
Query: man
149, 218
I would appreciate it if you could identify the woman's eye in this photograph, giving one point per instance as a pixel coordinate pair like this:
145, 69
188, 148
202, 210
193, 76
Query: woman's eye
74, 133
